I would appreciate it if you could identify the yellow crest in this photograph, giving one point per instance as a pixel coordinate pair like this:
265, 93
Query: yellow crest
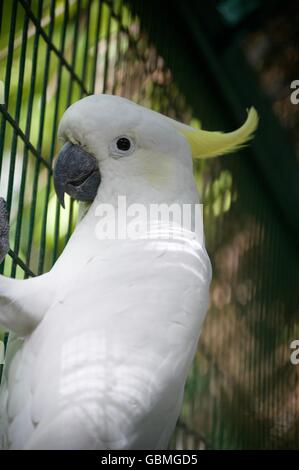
205, 144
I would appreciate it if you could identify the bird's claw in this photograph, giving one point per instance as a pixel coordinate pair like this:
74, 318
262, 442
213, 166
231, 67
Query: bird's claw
4, 230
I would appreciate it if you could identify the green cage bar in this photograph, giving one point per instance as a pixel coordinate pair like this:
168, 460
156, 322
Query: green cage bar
242, 392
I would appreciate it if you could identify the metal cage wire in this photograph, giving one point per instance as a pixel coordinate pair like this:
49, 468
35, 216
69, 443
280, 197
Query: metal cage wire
242, 391
52, 53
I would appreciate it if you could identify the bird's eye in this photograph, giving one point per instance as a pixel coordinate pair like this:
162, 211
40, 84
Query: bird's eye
122, 146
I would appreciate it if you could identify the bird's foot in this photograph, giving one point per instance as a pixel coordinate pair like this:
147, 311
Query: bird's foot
4, 230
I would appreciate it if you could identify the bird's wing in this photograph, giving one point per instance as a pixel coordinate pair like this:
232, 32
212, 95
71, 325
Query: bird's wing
112, 354
15, 396
22, 305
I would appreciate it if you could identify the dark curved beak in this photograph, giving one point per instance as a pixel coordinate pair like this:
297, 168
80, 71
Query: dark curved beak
76, 173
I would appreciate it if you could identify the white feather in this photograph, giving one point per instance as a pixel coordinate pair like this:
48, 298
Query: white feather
105, 363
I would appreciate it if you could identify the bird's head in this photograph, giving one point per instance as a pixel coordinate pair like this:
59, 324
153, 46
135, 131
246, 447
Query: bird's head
120, 147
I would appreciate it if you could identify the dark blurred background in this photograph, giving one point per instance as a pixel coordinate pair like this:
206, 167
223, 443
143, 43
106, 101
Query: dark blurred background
200, 62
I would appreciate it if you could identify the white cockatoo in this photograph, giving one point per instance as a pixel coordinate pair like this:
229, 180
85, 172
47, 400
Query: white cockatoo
100, 346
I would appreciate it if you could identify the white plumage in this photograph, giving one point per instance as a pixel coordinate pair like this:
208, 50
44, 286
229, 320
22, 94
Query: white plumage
102, 344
